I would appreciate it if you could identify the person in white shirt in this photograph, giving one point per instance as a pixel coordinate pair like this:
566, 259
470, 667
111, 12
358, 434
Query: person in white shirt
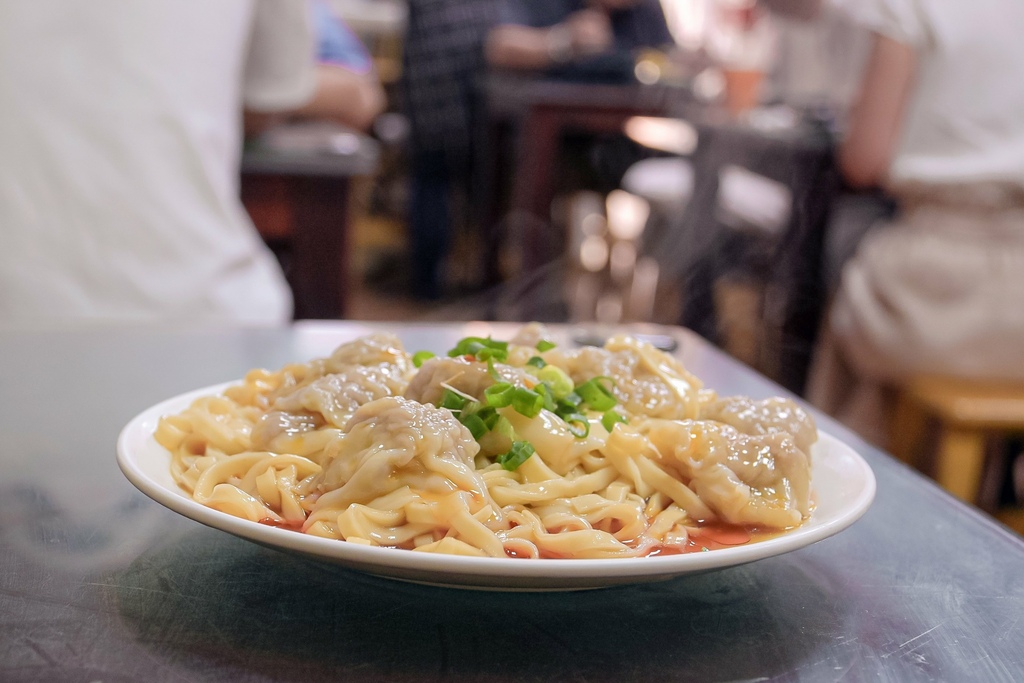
120, 141
940, 289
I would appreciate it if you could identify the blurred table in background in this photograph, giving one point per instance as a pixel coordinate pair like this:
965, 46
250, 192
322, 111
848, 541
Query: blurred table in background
295, 182
799, 155
542, 111
792, 150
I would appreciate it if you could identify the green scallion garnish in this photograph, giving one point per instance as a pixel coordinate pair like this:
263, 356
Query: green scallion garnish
560, 382
486, 413
548, 396
452, 401
524, 401
499, 395
420, 357
579, 425
527, 401
503, 427
596, 395
493, 371
570, 403
610, 419
516, 456
480, 348
475, 425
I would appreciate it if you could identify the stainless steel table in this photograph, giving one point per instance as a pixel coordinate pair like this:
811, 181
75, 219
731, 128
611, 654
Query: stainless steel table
98, 583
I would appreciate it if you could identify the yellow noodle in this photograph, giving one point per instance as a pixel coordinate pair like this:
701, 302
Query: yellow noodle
675, 489
423, 483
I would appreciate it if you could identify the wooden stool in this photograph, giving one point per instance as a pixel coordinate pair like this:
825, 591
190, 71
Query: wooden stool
969, 413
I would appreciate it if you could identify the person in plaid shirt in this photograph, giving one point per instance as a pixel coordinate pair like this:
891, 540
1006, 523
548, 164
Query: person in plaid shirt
443, 56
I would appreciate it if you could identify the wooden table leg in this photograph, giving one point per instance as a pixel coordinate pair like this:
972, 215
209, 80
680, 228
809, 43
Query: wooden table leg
698, 231
534, 185
800, 301
319, 263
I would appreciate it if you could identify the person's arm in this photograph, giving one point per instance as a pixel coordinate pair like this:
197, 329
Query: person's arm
352, 99
347, 89
283, 79
514, 46
867, 149
280, 68
345, 96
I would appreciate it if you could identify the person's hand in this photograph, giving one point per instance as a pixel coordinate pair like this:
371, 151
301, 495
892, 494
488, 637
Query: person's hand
590, 32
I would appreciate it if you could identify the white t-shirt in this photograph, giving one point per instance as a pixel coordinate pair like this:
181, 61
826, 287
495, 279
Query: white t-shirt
820, 62
120, 137
965, 121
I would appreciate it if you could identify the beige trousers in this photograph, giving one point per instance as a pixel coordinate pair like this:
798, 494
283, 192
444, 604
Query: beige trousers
940, 290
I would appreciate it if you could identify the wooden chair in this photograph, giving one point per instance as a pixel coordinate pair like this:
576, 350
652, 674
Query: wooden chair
969, 416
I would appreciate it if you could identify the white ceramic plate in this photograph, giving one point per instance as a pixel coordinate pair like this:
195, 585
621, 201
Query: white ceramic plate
843, 484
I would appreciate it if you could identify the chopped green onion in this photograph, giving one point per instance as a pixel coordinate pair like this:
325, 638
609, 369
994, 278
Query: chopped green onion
471, 406
596, 395
561, 383
566, 407
524, 401
493, 371
536, 362
466, 349
499, 395
489, 416
420, 357
544, 389
544, 345
516, 456
452, 401
503, 427
579, 425
475, 425
480, 348
489, 354
610, 419
570, 403
527, 401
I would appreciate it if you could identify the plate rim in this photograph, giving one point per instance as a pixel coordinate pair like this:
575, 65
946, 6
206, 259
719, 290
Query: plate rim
132, 443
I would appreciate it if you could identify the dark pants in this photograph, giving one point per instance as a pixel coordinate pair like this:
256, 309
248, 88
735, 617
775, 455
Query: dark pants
430, 221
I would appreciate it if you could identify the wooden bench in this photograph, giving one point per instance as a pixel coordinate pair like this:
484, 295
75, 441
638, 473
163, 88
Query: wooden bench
970, 416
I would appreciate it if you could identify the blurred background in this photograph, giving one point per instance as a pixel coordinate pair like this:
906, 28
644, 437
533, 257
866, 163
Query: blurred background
656, 174
831, 191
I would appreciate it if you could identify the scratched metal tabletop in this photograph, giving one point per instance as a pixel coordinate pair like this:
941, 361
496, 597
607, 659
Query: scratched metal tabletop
99, 583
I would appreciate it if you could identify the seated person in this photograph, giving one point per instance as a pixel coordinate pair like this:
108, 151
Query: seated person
937, 290
347, 88
442, 57
119, 177
349, 91
565, 36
